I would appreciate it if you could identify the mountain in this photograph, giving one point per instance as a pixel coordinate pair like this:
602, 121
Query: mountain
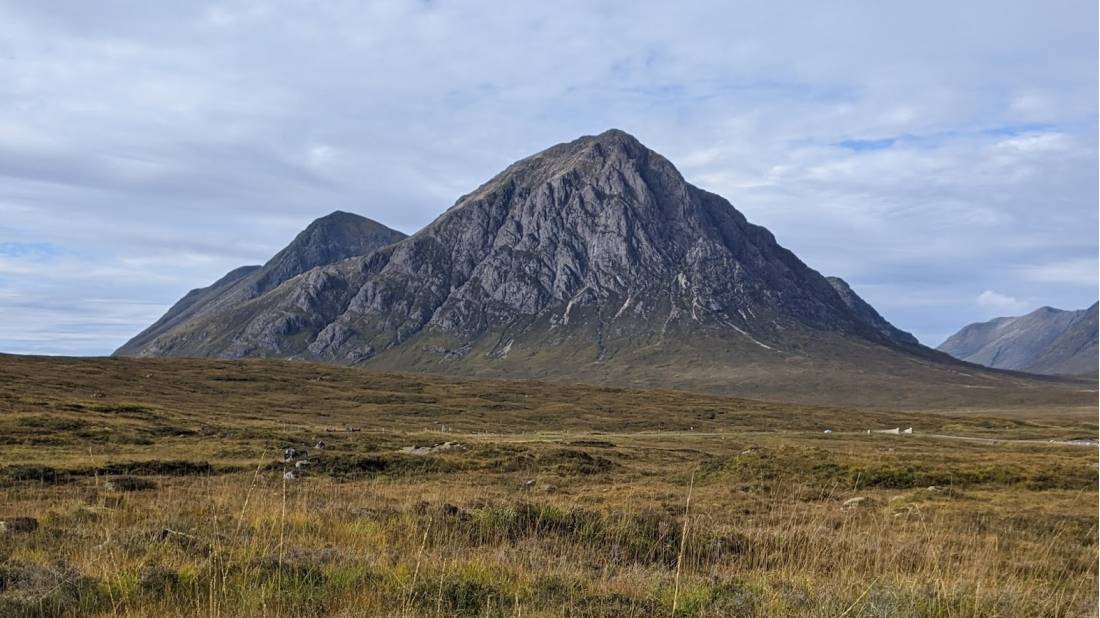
868, 314
591, 261
1046, 341
327, 240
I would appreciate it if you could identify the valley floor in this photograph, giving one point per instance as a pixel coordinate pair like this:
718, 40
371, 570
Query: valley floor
158, 488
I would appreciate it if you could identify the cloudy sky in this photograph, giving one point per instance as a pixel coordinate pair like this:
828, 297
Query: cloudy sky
940, 156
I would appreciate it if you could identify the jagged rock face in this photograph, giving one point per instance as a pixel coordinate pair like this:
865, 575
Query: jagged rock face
327, 240
589, 250
868, 314
602, 224
336, 237
1045, 341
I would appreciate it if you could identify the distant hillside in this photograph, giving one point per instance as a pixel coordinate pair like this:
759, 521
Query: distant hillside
1047, 340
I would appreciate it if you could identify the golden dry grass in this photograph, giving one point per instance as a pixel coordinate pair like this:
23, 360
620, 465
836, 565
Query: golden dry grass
561, 501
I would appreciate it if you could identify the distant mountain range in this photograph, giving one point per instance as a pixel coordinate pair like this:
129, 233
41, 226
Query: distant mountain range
1046, 341
591, 261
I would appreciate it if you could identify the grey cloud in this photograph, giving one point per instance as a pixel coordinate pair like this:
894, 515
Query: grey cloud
170, 142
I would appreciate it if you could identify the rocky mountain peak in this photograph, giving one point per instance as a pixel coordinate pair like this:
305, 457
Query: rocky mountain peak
612, 157
600, 226
329, 239
1047, 341
588, 251
612, 144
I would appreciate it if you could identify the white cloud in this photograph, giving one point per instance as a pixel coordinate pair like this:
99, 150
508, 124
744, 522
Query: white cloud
321, 156
989, 298
1035, 142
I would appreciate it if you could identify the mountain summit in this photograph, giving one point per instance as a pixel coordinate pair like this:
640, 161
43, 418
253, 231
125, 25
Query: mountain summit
598, 241
592, 260
331, 238
1047, 341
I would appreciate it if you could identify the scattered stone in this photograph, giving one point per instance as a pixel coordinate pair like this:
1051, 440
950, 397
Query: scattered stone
428, 450
828, 431
548, 488
305, 463
320, 445
129, 483
292, 475
933, 488
529, 483
18, 525
854, 502
291, 453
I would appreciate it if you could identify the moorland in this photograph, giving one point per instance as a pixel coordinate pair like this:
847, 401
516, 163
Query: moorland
140, 487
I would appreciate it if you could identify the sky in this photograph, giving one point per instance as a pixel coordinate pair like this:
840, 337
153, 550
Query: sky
939, 156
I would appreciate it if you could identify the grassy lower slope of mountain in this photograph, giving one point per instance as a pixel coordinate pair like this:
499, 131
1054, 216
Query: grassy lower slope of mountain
816, 368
